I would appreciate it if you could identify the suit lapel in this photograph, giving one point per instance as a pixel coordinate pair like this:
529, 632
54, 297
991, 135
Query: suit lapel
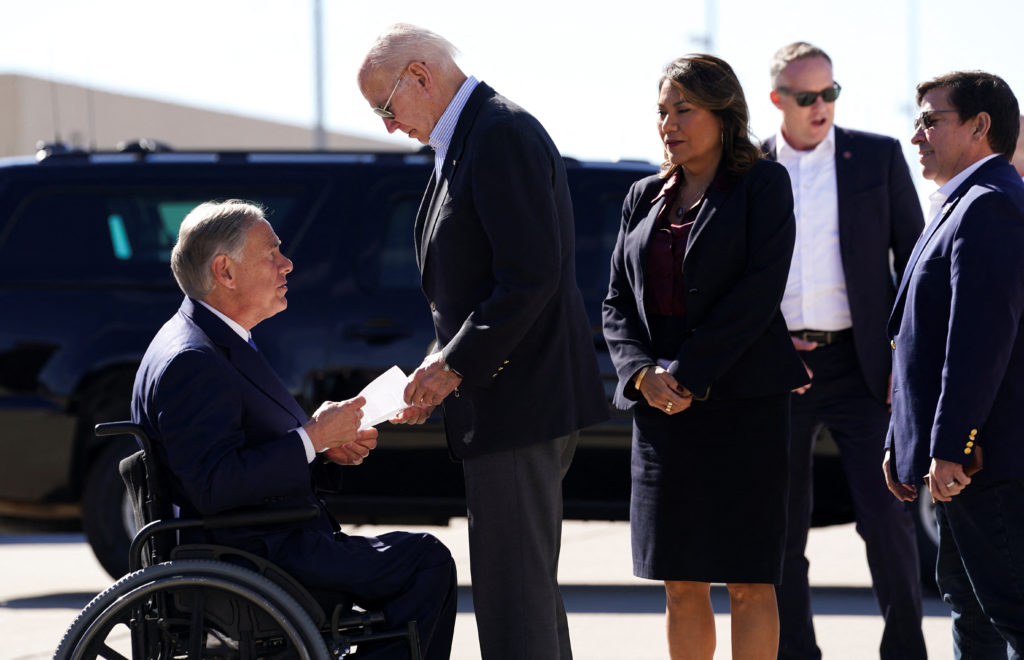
707, 211
249, 362
438, 190
927, 236
847, 176
644, 233
897, 309
433, 211
427, 209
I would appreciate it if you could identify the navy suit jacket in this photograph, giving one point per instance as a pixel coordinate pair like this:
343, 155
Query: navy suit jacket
224, 425
735, 269
879, 211
958, 358
495, 242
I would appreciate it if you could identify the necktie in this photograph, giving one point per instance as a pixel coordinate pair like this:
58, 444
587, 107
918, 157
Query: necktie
253, 344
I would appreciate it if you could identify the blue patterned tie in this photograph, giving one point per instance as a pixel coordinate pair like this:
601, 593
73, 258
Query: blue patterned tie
253, 344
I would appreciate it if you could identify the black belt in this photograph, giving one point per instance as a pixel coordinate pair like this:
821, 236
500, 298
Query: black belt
824, 337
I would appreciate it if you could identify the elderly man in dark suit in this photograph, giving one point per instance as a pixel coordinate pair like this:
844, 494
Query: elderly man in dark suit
515, 366
957, 334
856, 209
232, 435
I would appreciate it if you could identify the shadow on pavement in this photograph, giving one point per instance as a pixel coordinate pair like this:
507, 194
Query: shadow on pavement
643, 599
74, 601
593, 599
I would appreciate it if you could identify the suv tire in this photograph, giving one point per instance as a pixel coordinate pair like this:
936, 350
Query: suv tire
106, 510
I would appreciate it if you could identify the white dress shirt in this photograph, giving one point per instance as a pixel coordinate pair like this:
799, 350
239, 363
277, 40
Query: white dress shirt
937, 199
815, 297
443, 131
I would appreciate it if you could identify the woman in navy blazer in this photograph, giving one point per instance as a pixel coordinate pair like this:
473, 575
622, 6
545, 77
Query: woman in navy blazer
705, 361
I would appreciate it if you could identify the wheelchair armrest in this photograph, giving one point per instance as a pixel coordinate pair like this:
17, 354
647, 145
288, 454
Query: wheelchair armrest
254, 518
116, 428
260, 517
125, 428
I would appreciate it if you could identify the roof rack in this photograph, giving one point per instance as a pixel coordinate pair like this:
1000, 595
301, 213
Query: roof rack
46, 149
143, 145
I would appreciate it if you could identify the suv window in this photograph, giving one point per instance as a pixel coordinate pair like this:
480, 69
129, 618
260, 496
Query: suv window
398, 268
107, 234
598, 214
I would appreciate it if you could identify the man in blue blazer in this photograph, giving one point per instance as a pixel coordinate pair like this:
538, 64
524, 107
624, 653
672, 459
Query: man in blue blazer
515, 366
957, 334
856, 210
232, 436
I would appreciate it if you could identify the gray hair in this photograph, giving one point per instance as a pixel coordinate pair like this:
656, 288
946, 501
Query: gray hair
798, 50
403, 43
210, 229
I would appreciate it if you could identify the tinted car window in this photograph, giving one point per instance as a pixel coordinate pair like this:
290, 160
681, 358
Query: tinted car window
596, 230
398, 268
106, 234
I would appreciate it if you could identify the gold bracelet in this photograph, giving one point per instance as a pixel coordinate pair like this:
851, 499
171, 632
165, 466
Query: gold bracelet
640, 378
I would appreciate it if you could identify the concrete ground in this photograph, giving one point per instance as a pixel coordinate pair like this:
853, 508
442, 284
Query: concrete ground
46, 579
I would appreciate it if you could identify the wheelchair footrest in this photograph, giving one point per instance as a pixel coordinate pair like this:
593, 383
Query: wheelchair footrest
360, 620
355, 629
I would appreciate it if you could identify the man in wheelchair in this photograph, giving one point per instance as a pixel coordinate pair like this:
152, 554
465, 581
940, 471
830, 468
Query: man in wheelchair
232, 437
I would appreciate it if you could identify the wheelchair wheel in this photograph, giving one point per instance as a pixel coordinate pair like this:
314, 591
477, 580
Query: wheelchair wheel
193, 609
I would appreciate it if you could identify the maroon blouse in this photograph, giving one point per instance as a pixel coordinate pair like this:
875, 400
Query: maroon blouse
664, 289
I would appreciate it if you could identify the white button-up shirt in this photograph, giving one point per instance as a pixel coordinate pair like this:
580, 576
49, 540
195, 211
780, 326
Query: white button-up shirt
937, 199
815, 297
443, 131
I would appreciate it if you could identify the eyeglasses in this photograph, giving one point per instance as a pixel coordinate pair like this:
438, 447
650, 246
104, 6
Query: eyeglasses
383, 112
926, 119
804, 99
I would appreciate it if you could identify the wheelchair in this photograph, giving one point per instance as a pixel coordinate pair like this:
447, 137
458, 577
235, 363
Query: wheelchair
208, 601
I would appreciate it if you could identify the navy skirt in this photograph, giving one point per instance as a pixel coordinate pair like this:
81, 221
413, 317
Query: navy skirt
709, 491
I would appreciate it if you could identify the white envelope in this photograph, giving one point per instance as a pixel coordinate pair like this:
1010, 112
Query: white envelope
384, 397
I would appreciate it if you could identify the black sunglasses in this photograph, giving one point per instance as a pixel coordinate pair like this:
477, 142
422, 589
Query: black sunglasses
927, 119
804, 99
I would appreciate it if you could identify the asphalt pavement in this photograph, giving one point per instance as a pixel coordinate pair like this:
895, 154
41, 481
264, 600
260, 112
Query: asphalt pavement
45, 579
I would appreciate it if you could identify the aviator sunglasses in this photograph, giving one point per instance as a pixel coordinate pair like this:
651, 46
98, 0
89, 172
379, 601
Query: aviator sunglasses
804, 99
384, 111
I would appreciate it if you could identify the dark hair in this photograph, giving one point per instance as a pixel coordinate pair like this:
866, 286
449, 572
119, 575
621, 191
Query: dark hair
710, 83
974, 92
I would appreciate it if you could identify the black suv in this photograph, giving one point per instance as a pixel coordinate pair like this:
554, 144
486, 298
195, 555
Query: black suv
85, 240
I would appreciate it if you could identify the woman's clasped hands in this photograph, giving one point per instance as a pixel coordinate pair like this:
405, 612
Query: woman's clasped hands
663, 391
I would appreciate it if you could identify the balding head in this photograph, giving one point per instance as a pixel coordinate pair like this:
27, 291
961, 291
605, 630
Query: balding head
403, 43
411, 73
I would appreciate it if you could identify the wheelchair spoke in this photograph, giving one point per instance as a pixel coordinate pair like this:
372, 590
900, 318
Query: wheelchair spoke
108, 653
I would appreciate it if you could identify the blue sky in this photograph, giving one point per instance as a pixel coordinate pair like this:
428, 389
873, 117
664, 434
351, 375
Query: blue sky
587, 70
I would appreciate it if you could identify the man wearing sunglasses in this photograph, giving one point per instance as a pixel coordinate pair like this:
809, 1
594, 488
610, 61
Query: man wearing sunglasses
515, 370
957, 336
856, 208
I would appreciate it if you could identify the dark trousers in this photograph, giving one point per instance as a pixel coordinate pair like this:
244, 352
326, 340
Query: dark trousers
514, 503
840, 401
980, 568
409, 577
